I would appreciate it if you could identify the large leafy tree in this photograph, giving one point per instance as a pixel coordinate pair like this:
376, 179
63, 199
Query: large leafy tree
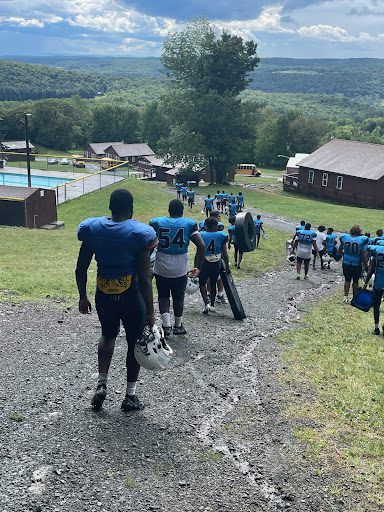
203, 107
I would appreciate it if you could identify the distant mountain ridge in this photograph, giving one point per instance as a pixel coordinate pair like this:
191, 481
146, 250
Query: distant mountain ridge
55, 77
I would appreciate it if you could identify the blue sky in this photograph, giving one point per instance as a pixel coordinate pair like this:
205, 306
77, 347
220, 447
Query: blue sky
282, 28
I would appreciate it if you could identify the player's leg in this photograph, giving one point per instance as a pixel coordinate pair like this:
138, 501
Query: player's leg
110, 325
299, 262
163, 285
203, 278
257, 239
347, 282
306, 267
178, 295
377, 296
220, 299
356, 276
240, 258
236, 253
134, 317
214, 274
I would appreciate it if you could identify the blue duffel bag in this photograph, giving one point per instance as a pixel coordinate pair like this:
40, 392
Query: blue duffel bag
362, 300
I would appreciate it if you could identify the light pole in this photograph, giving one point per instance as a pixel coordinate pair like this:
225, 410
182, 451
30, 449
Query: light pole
1, 147
26, 115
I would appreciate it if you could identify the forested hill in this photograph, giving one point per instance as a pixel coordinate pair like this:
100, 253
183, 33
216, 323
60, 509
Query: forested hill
87, 76
25, 81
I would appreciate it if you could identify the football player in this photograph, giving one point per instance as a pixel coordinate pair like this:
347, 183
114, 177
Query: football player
352, 249
191, 198
172, 263
232, 240
376, 267
240, 202
304, 243
259, 228
208, 205
121, 247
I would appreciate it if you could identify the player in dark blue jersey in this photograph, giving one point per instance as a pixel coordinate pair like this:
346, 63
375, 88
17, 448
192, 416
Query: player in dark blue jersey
121, 247
232, 241
376, 267
191, 198
352, 248
208, 205
172, 263
215, 250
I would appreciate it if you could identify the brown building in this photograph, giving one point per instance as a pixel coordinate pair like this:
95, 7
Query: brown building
16, 150
97, 149
27, 207
344, 171
132, 153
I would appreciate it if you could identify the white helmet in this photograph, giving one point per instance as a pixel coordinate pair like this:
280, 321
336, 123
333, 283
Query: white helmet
192, 285
327, 258
291, 258
151, 350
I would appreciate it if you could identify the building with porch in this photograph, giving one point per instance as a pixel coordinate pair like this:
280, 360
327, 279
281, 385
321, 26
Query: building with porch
15, 150
132, 153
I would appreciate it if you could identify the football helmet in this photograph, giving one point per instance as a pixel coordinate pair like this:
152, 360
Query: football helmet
192, 285
265, 236
327, 258
291, 258
151, 350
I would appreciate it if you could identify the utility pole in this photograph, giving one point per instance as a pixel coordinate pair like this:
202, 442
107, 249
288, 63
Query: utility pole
26, 115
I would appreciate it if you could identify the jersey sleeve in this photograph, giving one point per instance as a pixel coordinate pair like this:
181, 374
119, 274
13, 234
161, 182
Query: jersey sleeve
84, 231
149, 237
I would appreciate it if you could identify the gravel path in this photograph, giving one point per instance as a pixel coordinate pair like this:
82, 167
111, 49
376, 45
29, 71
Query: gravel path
215, 435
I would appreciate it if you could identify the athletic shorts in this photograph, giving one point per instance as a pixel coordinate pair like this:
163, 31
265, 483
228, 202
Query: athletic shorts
128, 308
211, 271
351, 273
377, 296
301, 260
171, 285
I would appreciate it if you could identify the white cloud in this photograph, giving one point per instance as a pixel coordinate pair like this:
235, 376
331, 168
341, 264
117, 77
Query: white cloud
131, 45
333, 33
22, 22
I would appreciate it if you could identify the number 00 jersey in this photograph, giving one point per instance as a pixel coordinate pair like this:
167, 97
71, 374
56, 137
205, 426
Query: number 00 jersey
174, 234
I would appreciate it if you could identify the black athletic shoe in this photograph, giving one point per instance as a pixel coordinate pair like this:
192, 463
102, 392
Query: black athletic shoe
167, 331
179, 330
99, 397
376, 332
131, 403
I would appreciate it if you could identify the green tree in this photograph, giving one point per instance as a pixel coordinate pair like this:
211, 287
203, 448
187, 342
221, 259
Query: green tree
203, 108
153, 125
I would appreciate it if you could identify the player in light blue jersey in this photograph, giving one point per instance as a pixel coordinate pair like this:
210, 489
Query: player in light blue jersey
379, 236
218, 200
208, 205
232, 209
224, 200
352, 248
376, 267
215, 250
240, 202
178, 189
259, 228
191, 198
184, 193
172, 262
121, 247
331, 242
305, 242
231, 198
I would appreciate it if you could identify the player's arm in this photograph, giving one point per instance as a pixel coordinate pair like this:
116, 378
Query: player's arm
314, 246
145, 282
371, 271
229, 239
83, 261
364, 259
200, 255
325, 247
224, 254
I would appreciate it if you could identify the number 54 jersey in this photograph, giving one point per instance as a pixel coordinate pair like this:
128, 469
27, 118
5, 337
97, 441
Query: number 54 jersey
173, 233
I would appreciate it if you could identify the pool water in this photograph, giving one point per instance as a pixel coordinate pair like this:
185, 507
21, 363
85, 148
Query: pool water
21, 180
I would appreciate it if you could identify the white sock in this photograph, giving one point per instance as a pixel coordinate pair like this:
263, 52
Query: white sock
178, 321
346, 297
131, 389
166, 319
376, 326
102, 380
220, 294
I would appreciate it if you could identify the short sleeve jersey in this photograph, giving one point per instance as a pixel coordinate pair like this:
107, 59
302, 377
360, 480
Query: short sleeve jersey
231, 199
240, 199
299, 227
178, 186
306, 236
173, 233
213, 241
330, 240
191, 194
353, 247
220, 226
116, 245
218, 197
208, 202
224, 196
258, 225
377, 252
184, 191
232, 209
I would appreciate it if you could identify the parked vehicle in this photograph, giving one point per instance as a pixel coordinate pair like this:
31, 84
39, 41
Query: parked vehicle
248, 170
79, 163
64, 161
53, 161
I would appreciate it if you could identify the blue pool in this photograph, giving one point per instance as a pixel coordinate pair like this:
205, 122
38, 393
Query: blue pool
21, 180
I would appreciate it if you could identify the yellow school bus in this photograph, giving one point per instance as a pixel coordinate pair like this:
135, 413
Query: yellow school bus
247, 170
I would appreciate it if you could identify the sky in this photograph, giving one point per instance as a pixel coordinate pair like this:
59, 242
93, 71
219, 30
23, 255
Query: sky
136, 28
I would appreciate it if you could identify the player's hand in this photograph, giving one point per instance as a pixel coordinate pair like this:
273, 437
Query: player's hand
85, 306
151, 319
194, 272
229, 246
365, 286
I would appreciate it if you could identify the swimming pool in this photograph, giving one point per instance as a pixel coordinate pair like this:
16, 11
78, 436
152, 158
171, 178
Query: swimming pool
21, 180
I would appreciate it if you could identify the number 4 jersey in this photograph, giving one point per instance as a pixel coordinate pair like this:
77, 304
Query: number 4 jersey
174, 234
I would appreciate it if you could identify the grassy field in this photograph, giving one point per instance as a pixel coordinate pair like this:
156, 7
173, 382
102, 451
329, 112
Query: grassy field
294, 207
35, 264
336, 367
45, 167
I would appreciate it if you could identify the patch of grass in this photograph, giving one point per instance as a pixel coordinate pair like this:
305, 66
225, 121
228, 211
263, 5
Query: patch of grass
129, 482
338, 365
36, 264
16, 416
295, 207
209, 456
